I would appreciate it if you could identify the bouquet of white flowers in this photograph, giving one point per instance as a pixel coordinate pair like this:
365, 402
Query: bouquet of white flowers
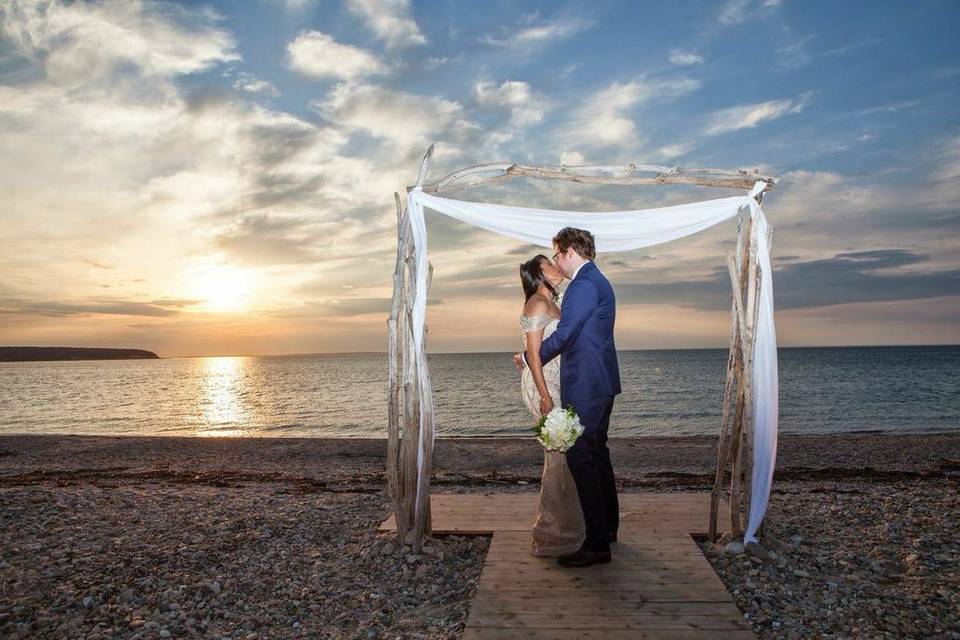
559, 429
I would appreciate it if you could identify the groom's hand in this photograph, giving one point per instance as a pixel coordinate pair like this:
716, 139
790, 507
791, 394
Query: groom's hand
518, 361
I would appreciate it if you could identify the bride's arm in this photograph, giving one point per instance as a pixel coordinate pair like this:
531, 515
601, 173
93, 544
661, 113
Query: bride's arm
534, 338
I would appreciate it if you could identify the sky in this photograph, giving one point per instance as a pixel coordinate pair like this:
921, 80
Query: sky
217, 178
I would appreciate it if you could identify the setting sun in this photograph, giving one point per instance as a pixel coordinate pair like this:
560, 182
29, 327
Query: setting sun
224, 289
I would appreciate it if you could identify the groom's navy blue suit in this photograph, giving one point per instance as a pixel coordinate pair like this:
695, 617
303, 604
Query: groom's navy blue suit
589, 380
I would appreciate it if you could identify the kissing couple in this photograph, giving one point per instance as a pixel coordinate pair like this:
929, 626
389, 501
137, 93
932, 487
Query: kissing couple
570, 360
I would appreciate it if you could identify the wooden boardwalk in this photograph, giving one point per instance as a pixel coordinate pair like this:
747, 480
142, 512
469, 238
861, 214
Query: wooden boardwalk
659, 584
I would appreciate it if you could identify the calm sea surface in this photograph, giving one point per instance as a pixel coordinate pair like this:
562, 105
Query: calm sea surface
677, 392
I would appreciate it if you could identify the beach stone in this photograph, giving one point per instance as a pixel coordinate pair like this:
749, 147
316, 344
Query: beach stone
215, 586
796, 540
734, 548
388, 549
757, 550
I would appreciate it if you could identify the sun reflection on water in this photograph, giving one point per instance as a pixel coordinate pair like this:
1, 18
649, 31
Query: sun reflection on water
225, 410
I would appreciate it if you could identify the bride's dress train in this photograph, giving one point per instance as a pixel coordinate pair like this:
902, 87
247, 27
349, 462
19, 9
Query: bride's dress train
558, 528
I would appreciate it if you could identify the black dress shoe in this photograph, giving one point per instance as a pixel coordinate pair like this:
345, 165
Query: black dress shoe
612, 536
585, 558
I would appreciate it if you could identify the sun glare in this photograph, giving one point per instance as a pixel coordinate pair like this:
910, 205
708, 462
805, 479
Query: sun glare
225, 289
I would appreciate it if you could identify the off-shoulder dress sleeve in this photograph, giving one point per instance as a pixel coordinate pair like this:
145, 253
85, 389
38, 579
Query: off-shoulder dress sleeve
532, 323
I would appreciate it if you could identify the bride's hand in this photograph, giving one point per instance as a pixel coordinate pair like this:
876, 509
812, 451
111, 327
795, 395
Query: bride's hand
518, 361
546, 406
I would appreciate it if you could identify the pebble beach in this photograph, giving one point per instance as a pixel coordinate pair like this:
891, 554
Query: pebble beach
170, 537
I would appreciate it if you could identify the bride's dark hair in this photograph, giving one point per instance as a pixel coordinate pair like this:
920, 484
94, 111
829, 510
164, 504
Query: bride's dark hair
531, 276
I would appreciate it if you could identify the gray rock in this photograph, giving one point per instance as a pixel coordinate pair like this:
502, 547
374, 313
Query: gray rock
734, 548
757, 550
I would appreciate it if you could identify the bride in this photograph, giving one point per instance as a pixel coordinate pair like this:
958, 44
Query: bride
559, 526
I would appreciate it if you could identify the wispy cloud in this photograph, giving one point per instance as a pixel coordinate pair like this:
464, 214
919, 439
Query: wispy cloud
737, 11
537, 32
750, 115
794, 54
684, 58
318, 55
390, 20
60, 309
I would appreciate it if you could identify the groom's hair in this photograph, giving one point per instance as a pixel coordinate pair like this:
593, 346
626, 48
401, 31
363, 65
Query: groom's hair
580, 239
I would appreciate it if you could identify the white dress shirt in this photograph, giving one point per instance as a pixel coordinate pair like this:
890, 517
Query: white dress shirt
578, 270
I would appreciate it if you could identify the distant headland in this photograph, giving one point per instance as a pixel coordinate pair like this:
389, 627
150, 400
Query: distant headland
26, 354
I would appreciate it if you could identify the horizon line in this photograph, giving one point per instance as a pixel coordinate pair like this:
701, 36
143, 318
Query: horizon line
454, 353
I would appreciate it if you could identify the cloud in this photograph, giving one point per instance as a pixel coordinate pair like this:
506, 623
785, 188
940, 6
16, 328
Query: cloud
82, 42
260, 239
737, 11
605, 117
684, 58
318, 55
252, 84
847, 277
405, 119
390, 20
949, 169
60, 309
794, 55
671, 151
572, 158
543, 32
750, 115
345, 307
517, 97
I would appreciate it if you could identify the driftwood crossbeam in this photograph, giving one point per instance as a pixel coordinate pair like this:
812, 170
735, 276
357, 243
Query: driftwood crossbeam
406, 385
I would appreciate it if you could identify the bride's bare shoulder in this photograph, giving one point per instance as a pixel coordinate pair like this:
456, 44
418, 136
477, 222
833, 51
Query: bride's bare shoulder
536, 306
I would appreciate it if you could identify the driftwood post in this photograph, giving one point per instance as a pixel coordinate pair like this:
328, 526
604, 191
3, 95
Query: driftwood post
737, 433
731, 386
409, 392
409, 387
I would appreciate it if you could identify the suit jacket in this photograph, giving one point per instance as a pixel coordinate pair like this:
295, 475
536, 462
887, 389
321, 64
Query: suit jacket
584, 337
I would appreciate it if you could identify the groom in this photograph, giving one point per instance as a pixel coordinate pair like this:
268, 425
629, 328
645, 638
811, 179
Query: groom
589, 380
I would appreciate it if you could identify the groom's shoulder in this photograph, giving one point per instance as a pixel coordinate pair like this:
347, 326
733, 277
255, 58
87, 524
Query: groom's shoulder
592, 271
582, 283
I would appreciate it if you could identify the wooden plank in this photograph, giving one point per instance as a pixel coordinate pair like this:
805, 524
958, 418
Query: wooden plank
559, 620
503, 633
605, 605
653, 592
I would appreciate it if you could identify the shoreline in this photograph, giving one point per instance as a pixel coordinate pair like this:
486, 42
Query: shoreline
509, 462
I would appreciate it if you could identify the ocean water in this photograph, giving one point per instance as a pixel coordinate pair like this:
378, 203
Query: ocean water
670, 392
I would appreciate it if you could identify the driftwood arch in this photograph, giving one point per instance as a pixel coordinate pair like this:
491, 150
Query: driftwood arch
410, 446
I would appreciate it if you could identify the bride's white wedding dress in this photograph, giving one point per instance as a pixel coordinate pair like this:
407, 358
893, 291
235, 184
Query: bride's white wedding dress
558, 528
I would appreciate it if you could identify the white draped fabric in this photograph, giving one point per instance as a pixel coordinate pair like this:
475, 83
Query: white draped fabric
623, 231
